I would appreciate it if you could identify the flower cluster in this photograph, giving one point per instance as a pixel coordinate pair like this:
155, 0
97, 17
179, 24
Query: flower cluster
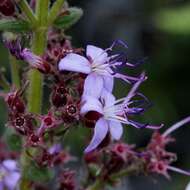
121, 159
80, 89
101, 69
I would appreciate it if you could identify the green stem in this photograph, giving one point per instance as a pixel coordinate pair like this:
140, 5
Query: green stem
55, 11
24, 6
14, 71
42, 9
36, 80
4, 83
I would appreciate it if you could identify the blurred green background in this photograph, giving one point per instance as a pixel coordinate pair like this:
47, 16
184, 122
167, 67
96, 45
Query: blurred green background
159, 30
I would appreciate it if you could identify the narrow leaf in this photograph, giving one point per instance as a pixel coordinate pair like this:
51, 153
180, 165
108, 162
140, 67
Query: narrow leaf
14, 25
67, 20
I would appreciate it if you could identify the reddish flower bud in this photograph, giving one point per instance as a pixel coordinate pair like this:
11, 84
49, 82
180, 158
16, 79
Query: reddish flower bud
67, 181
7, 7
92, 157
70, 113
15, 103
59, 95
33, 140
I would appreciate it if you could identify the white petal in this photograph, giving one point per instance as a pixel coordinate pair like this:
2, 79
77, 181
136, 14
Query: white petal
97, 54
116, 129
76, 63
93, 85
188, 187
91, 104
108, 83
100, 132
11, 180
10, 165
107, 97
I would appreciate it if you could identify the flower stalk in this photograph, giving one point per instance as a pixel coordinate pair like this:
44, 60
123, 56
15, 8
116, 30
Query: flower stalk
14, 71
35, 78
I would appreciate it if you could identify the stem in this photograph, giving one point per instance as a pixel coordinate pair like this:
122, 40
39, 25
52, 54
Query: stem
42, 9
24, 6
14, 71
4, 83
55, 11
36, 80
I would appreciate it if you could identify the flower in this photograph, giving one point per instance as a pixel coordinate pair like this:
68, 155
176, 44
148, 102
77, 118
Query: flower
157, 158
99, 67
9, 174
113, 113
35, 61
25, 54
47, 122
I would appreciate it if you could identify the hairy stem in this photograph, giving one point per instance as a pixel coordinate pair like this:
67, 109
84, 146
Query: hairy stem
35, 90
35, 78
14, 71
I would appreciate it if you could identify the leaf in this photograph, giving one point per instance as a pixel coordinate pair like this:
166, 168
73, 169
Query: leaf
66, 21
14, 25
14, 142
36, 173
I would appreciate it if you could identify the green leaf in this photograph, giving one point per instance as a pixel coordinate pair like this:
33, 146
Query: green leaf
36, 173
66, 21
14, 25
14, 142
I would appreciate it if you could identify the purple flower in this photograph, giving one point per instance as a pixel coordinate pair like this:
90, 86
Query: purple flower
9, 175
114, 113
99, 67
35, 61
27, 55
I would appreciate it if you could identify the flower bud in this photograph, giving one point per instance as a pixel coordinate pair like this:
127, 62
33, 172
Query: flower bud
59, 95
7, 7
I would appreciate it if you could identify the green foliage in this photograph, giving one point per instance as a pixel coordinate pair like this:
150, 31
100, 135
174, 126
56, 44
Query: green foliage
14, 25
14, 142
66, 21
36, 174
175, 21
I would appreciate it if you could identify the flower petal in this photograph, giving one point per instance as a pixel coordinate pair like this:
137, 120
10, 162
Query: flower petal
116, 129
11, 180
96, 54
91, 104
10, 165
100, 132
108, 98
108, 83
93, 85
1, 185
76, 63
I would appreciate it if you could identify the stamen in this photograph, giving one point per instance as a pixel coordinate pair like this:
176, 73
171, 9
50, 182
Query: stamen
178, 170
176, 126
